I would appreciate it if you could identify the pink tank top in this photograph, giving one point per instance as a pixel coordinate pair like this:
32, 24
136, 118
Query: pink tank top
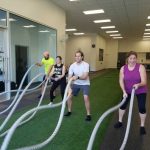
133, 77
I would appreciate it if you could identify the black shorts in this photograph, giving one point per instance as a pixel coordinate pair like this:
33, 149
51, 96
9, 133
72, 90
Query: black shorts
141, 102
44, 77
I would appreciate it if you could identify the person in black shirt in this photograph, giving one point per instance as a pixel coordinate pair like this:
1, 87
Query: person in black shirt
58, 77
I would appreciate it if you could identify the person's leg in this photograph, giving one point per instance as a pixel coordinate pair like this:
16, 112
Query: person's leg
87, 104
75, 91
122, 110
42, 88
53, 87
85, 90
142, 111
69, 103
62, 87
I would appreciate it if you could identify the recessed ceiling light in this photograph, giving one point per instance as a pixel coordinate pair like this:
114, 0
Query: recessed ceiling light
112, 31
29, 26
107, 27
115, 35
148, 24
89, 12
102, 21
78, 33
147, 29
148, 17
146, 36
71, 29
44, 31
120, 37
147, 33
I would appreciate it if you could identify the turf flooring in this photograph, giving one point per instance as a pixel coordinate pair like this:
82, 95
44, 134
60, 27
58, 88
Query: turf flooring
75, 132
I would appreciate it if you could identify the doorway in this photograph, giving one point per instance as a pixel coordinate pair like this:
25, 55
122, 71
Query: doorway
121, 59
4, 65
21, 63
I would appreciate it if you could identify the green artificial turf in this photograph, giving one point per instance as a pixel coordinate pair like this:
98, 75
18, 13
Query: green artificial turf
75, 132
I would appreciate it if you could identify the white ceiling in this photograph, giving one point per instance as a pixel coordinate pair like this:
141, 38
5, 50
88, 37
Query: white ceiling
129, 16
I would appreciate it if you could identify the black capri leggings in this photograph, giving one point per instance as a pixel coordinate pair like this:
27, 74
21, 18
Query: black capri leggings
55, 84
141, 102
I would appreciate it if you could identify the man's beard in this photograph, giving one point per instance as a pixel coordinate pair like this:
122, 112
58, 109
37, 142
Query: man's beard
46, 58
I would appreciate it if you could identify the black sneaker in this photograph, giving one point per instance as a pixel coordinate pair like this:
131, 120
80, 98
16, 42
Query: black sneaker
142, 131
40, 96
68, 114
118, 125
88, 118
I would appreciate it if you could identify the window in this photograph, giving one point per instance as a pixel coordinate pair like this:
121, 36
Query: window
35, 37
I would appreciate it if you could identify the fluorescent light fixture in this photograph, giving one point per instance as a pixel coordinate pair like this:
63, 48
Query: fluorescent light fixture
81, 33
147, 33
148, 24
71, 29
102, 21
44, 31
115, 31
107, 27
146, 36
147, 29
119, 37
115, 35
29, 26
146, 39
89, 12
148, 17
73, 0
10, 19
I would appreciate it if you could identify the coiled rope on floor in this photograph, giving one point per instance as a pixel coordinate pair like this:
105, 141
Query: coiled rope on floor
17, 102
38, 146
18, 91
12, 91
105, 114
28, 119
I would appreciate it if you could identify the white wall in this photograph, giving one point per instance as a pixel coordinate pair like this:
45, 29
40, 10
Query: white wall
100, 44
140, 46
134, 45
75, 43
111, 54
42, 11
84, 43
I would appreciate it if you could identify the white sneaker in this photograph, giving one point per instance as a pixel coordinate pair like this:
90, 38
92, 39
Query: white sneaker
51, 103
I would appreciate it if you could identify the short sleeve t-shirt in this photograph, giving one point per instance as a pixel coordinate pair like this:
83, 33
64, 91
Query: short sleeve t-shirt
78, 69
47, 64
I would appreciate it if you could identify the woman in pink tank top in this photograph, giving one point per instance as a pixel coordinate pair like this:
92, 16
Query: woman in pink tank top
133, 75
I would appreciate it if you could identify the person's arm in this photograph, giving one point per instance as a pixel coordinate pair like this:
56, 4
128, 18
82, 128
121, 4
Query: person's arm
121, 81
51, 68
63, 72
143, 77
51, 71
84, 75
39, 64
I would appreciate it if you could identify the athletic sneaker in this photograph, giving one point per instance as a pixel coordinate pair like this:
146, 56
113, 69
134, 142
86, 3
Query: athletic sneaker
142, 131
88, 118
40, 96
68, 114
118, 125
51, 103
